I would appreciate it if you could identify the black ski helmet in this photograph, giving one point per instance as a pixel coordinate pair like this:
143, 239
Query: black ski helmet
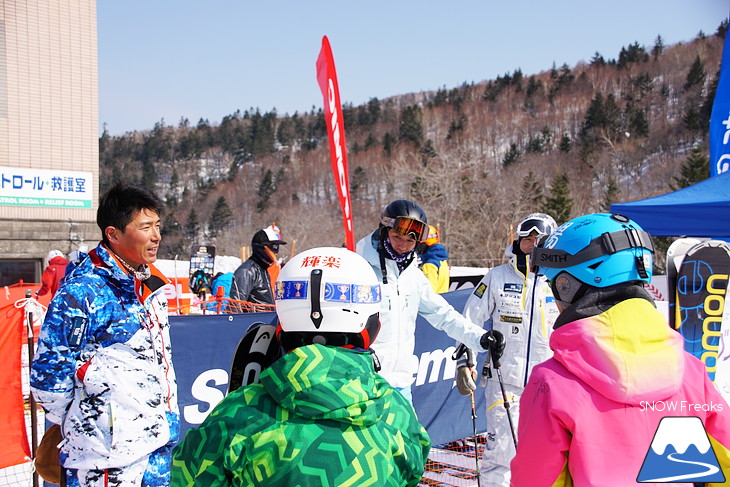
405, 217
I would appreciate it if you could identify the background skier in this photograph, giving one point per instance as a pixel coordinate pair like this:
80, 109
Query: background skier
434, 260
510, 300
54, 273
390, 250
252, 281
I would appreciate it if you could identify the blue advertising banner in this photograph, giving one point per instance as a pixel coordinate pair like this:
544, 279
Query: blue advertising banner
204, 347
720, 118
442, 410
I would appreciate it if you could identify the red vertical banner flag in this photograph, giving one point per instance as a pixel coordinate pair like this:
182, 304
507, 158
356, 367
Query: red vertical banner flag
14, 446
327, 79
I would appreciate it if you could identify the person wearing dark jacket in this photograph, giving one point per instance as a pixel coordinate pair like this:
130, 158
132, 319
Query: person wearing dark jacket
53, 273
252, 281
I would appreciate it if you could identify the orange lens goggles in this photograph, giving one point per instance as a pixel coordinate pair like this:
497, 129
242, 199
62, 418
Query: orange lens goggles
408, 227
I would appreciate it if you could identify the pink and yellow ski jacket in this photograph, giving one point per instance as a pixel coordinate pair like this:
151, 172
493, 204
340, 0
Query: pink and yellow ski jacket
589, 414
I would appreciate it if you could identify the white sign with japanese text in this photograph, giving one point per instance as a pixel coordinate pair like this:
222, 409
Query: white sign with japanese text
20, 186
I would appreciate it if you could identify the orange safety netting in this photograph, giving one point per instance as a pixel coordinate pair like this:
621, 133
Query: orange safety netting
218, 305
454, 464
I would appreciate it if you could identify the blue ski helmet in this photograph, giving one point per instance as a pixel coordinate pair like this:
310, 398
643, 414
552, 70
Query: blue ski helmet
599, 250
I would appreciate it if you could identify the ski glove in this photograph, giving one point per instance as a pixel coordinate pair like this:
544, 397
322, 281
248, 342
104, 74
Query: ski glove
465, 377
493, 341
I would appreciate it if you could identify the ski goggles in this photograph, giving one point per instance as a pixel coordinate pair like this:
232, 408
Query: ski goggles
409, 227
605, 244
536, 225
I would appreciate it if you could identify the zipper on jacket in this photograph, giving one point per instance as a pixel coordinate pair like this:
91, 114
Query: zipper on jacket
529, 328
159, 358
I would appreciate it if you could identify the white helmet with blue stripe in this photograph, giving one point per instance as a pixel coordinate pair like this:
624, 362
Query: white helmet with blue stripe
330, 296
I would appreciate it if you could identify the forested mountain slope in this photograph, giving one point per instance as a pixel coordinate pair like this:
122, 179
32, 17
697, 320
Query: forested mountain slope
477, 157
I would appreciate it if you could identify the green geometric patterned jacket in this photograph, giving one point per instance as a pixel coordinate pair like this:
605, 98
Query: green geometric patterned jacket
320, 416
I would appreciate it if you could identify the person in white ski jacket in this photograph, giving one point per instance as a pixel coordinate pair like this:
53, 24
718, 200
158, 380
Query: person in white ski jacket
509, 299
407, 292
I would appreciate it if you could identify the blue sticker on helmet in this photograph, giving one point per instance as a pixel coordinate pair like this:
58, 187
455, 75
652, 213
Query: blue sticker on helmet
333, 292
351, 293
291, 290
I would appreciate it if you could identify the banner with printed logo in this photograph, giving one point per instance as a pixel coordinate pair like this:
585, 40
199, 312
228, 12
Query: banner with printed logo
720, 118
204, 347
327, 79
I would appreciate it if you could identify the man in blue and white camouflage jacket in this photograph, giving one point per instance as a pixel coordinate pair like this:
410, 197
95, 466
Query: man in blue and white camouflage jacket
103, 367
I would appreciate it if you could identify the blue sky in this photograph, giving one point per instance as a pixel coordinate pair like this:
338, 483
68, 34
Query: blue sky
165, 59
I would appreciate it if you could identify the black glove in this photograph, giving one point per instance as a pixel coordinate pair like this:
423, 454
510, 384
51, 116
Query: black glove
493, 341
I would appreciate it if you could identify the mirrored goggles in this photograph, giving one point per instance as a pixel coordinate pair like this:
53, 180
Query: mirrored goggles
538, 226
409, 227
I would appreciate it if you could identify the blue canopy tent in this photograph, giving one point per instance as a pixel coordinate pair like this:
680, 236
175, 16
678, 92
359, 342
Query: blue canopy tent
700, 210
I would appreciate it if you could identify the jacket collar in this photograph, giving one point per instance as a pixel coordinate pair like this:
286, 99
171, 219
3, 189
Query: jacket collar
598, 300
100, 257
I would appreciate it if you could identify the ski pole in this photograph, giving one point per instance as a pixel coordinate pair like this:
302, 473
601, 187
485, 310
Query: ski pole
497, 365
33, 412
470, 364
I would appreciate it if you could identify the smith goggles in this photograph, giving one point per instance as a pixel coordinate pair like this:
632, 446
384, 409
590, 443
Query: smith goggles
605, 244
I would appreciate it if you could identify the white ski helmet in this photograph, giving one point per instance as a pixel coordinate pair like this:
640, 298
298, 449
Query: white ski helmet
330, 296
540, 223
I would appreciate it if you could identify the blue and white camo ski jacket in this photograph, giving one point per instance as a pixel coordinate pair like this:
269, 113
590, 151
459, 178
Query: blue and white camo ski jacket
103, 367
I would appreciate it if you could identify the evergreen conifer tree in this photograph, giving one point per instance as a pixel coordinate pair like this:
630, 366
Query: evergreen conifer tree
220, 218
610, 195
559, 204
565, 143
267, 186
696, 75
192, 225
411, 126
513, 154
695, 169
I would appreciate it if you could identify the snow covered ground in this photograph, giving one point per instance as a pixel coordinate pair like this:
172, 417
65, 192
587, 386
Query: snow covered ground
181, 268
227, 263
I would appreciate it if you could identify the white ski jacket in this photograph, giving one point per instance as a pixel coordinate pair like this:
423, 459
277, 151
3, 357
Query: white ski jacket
406, 295
504, 297
103, 367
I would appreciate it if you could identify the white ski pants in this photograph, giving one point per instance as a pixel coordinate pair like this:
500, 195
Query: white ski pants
500, 447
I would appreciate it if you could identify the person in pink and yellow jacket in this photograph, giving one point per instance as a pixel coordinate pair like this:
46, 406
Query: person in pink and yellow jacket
620, 403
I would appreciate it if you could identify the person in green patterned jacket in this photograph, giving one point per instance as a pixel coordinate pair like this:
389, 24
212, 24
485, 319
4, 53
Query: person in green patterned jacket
320, 415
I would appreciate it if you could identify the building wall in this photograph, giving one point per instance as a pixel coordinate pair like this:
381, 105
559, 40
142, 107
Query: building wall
48, 117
